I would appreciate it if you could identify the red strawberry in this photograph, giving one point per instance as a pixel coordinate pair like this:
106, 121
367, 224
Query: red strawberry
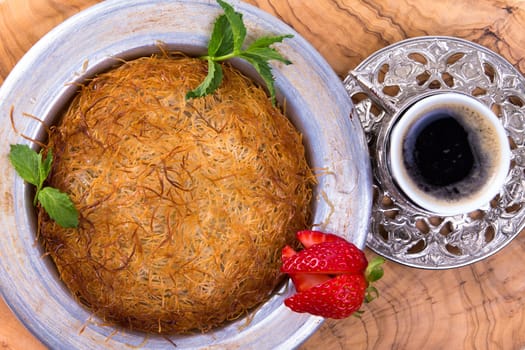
287, 252
302, 281
331, 257
338, 298
331, 276
305, 281
309, 238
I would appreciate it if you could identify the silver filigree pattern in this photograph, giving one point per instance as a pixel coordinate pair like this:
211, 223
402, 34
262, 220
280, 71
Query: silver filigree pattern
390, 80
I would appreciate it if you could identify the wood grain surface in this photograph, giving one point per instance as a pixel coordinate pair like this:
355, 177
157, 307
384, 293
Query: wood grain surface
481, 306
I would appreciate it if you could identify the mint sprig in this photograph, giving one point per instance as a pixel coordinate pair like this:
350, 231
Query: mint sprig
32, 168
226, 42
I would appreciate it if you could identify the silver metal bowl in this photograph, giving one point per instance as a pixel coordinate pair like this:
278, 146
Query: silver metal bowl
317, 104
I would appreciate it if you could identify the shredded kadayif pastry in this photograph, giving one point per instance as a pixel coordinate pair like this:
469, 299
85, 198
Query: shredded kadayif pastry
184, 205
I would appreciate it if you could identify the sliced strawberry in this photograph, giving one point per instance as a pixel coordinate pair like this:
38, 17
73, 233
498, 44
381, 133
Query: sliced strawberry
332, 276
305, 281
309, 237
302, 281
337, 298
287, 252
331, 258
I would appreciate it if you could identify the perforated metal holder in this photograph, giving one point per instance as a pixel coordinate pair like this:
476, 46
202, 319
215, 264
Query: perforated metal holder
389, 81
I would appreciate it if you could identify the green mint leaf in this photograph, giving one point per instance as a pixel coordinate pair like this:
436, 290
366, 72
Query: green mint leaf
30, 167
26, 163
226, 42
45, 167
236, 23
221, 41
266, 53
210, 83
58, 206
266, 41
263, 68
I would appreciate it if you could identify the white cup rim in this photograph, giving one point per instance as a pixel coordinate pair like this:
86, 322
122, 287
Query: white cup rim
405, 183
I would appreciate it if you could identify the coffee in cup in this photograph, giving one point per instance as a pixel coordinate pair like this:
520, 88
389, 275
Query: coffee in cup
449, 153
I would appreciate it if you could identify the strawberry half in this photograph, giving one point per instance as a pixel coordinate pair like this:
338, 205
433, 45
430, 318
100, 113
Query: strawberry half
305, 281
331, 275
335, 257
309, 238
287, 252
338, 298
302, 281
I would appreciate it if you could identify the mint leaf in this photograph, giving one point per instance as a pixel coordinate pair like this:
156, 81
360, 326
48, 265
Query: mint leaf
210, 83
58, 206
26, 163
45, 167
265, 53
226, 42
263, 68
221, 41
30, 167
266, 41
236, 23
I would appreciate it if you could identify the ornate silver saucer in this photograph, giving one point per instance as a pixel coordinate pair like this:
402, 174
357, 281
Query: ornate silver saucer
393, 78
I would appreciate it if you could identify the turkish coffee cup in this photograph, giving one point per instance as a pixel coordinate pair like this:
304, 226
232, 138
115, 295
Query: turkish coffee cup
449, 153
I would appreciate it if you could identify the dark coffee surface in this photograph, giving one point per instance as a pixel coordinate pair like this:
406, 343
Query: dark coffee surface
445, 156
442, 153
